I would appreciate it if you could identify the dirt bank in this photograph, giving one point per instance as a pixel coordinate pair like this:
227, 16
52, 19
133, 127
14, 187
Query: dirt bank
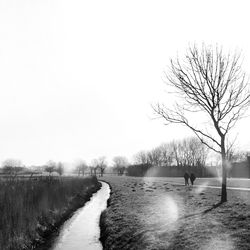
50, 227
102, 223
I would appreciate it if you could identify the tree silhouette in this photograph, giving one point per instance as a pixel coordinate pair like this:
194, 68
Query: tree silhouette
208, 81
120, 164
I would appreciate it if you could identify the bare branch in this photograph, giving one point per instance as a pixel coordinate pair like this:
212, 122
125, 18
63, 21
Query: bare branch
208, 80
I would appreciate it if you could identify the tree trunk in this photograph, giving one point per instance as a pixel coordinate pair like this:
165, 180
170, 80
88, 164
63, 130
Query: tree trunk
224, 176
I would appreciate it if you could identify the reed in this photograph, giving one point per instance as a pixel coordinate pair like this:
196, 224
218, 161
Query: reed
28, 208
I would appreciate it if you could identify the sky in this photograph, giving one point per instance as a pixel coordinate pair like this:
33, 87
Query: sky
77, 78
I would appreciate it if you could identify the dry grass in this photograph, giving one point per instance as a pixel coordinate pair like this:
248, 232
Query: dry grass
31, 209
150, 213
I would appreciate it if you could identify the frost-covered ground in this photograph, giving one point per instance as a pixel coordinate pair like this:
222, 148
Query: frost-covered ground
152, 213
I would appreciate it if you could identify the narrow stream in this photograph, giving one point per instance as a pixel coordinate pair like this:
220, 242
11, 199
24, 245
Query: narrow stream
82, 230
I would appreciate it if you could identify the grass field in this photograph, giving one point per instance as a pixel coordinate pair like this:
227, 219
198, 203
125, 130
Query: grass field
31, 210
152, 213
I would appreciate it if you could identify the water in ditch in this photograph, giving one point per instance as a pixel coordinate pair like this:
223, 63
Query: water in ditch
82, 231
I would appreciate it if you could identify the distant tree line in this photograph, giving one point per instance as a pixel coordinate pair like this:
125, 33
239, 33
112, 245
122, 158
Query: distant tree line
14, 167
183, 153
173, 159
177, 155
168, 159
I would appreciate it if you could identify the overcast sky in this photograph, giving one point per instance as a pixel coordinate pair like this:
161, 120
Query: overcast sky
77, 77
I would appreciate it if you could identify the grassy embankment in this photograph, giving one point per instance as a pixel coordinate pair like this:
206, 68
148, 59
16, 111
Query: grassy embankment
150, 213
32, 209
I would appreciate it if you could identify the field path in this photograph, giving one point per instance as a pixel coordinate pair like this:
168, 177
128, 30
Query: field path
215, 186
211, 182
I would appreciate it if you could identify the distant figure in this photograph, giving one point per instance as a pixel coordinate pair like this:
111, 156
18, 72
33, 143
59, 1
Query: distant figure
186, 177
192, 178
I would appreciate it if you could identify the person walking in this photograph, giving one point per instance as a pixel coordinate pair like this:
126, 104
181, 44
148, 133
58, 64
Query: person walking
186, 177
192, 178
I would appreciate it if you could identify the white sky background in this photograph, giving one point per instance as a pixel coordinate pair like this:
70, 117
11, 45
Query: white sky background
77, 77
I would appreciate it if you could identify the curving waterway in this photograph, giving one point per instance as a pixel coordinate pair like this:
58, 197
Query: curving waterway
82, 230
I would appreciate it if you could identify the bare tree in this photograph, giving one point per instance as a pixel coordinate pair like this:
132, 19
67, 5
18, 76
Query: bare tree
154, 157
91, 170
189, 152
50, 167
182, 153
100, 164
141, 158
193, 152
12, 166
211, 82
81, 167
237, 155
198, 152
167, 154
120, 164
